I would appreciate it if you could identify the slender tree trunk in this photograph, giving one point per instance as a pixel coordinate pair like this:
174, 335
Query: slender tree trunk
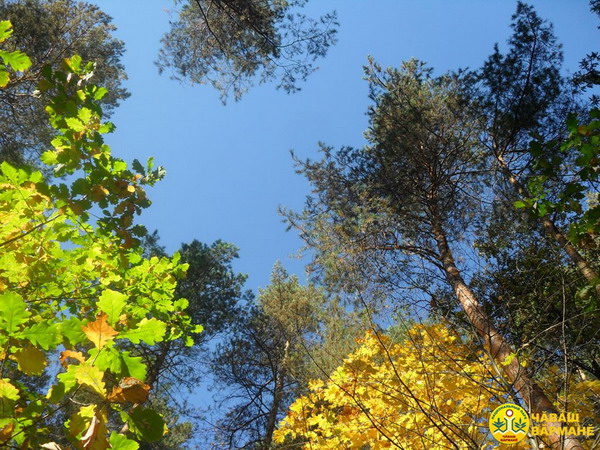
553, 231
277, 399
156, 367
499, 349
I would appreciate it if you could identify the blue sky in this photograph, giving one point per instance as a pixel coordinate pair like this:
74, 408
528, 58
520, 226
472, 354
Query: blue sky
229, 167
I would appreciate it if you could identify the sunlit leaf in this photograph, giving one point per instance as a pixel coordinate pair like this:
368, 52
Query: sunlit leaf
120, 442
13, 312
150, 331
112, 303
129, 390
99, 331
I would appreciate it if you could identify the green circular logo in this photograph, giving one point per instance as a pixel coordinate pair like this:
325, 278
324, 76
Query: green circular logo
509, 423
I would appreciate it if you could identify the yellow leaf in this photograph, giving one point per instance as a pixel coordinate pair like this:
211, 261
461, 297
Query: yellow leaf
508, 359
99, 331
91, 376
31, 360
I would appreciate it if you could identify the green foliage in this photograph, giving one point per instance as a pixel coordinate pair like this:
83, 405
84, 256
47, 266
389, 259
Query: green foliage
49, 30
290, 334
212, 291
576, 164
77, 293
522, 91
17, 61
414, 199
230, 44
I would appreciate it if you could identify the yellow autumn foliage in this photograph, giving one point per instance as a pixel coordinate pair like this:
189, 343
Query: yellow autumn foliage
431, 391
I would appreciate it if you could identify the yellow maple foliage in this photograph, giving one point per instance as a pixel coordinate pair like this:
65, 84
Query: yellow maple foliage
430, 391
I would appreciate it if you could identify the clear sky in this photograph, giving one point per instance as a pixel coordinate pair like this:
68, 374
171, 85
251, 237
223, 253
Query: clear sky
229, 167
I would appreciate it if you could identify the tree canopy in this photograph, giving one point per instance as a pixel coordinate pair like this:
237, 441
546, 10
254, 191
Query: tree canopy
233, 44
454, 256
73, 294
50, 31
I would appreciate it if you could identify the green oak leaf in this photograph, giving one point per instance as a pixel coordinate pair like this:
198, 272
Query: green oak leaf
73, 330
150, 331
146, 424
120, 442
18, 61
44, 335
5, 29
75, 124
13, 312
112, 303
134, 365
4, 77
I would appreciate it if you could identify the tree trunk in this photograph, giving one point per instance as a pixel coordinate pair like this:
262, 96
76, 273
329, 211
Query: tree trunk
499, 349
552, 230
155, 368
277, 398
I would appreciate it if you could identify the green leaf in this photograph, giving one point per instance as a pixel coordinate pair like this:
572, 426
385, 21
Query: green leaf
120, 442
74, 63
572, 122
4, 78
75, 124
107, 359
42, 334
146, 424
66, 382
81, 186
134, 258
100, 93
119, 165
91, 376
8, 396
18, 61
72, 329
8, 391
520, 204
112, 303
107, 127
139, 230
49, 158
68, 377
134, 365
150, 331
85, 115
137, 166
13, 312
5, 30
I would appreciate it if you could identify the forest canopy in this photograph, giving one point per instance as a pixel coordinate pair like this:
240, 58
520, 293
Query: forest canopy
452, 259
